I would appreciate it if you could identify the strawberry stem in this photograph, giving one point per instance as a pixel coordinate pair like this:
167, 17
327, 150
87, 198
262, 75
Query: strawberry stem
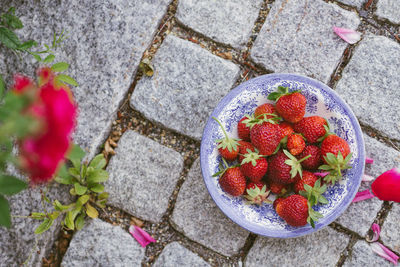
303, 159
226, 135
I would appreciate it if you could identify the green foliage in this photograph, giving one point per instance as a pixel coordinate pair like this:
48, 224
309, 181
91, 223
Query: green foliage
5, 218
314, 196
85, 181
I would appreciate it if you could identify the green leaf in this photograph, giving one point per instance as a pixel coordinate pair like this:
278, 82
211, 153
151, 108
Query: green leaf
10, 185
27, 45
66, 79
76, 153
323, 200
79, 189
2, 87
46, 224
97, 176
38, 215
97, 188
58, 206
83, 199
74, 172
8, 38
49, 59
54, 215
60, 66
37, 57
103, 195
91, 212
5, 218
80, 221
12, 21
99, 162
63, 176
274, 96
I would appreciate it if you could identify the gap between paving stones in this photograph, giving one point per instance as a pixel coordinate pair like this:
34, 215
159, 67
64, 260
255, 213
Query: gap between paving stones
157, 133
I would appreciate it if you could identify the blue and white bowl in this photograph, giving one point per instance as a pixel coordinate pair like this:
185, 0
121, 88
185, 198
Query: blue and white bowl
321, 101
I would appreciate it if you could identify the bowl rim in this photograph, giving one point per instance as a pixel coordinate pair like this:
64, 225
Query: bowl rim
230, 213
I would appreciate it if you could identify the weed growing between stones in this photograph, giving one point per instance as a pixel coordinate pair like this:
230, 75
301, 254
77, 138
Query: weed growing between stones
38, 119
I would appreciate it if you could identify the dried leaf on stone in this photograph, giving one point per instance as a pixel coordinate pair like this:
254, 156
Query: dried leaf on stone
146, 67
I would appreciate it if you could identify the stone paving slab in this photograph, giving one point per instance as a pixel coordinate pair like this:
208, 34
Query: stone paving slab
143, 175
359, 216
356, 3
198, 218
105, 43
390, 231
187, 84
297, 37
175, 254
101, 244
321, 248
18, 242
370, 83
388, 9
362, 255
229, 21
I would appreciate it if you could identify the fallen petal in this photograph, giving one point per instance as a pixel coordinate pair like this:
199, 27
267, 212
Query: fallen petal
377, 230
140, 235
350, 36
363, 195
367, 178
387, 185
384, 252
322, 174
369, 160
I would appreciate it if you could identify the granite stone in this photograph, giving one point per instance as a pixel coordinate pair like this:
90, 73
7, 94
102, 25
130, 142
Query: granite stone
228, 22
175, 254
370, 83
20, 241
388, 9
187, 84
390, 231
205, 223
101, 244
297, 37
143, 175
321, 248
362, 255
106, 40
359, 216
356, 3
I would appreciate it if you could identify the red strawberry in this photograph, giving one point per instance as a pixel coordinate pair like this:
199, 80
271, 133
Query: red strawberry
295, 144
257, 193
336, 154
254, 166
276, 201
294, 210
265, 137
312, 128
333, 144
227, 147
290, 106
277, 188
286, 129
308, 178
313, 162
243, 130
283, 167
265, 109
243, 146
233, 181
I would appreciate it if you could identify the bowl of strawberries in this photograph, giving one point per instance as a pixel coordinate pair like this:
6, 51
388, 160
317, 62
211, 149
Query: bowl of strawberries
282, 155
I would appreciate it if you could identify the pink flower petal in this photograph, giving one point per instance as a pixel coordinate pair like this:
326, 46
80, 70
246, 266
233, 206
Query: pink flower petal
369, 160
384, 252
367, 178
377, 230
387, 185
363, 195
140, 235
322, 174
350, 36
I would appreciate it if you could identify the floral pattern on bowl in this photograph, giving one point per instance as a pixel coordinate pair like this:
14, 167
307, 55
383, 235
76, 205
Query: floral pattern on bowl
322, 101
